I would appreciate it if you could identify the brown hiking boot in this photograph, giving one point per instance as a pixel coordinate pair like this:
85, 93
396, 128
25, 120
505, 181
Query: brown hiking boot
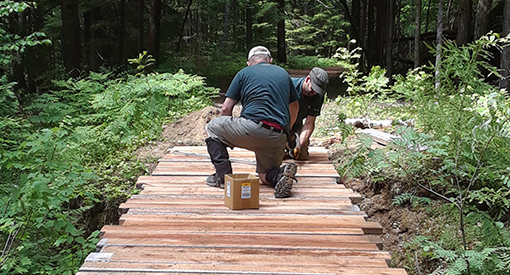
286, 179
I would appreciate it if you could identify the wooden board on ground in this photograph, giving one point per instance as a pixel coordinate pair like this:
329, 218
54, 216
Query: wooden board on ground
179, 225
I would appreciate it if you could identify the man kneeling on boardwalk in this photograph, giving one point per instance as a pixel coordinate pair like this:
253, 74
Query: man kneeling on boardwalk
269, 106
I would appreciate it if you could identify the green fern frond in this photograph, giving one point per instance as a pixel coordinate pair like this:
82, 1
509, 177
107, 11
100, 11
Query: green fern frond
411, 198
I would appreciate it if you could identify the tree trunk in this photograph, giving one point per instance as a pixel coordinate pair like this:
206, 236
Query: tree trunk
122, 23
155, 30
427, 18
362, 30
226, 25
381, 30
281, 55
249, 23
464, 33
417, 33
18, 24
482, 18
439, 42
71, 45
235, 11
389, 40
177, 48
351, 17
370, 50
355, 11
505, 55
141, 19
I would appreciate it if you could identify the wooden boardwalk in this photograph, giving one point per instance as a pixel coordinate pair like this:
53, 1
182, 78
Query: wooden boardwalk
178, 225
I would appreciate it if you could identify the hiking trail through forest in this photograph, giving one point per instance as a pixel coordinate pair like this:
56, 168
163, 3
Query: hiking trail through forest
400, 224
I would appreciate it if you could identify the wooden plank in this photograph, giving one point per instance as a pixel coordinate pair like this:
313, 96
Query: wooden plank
197, 255
179, 225
379, 136
222, 209
226, 268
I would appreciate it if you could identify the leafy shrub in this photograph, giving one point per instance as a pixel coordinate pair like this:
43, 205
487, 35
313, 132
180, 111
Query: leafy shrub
42, 199
457, 150
72, 155
308, 62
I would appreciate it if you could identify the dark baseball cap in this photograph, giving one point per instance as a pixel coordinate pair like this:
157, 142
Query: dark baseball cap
320, 80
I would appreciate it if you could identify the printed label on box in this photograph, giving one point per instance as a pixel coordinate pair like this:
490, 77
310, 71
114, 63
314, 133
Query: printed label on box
246, 190
228, 189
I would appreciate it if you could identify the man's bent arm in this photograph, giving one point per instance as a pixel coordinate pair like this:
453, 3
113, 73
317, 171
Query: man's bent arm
227, 107
307, 130
293, 109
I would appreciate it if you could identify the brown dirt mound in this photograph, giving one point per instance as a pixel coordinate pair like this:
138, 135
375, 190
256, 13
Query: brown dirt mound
187, 131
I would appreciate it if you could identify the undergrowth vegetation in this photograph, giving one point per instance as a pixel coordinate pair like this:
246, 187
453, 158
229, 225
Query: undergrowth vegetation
66, 154
454, 149
65, 160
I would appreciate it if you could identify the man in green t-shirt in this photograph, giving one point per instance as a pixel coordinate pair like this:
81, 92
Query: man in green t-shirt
311, 90
269, 107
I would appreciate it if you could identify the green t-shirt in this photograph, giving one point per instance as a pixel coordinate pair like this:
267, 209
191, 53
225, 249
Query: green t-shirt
308, 106
265, 92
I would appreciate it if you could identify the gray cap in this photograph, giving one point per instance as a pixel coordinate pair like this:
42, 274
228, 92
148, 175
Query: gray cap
258, 50
320, 80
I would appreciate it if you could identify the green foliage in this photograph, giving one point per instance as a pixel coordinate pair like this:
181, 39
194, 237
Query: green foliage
488, 253
456, 148
73, 152
318, 33
40, 205
8, 101
411, 198
143, 64
308, 62
11, 44
132, 112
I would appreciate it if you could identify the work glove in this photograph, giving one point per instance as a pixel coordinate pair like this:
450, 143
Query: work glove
293, 145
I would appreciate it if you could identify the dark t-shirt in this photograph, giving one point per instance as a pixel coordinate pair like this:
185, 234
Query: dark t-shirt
265, 91
308, 106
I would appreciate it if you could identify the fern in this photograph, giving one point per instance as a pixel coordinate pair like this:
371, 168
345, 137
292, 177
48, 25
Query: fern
413, 199
458, 149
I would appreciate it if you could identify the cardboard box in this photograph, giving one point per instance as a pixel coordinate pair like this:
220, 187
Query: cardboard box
241, 191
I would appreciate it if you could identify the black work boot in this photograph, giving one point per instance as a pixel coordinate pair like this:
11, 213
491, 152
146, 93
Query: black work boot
219, 158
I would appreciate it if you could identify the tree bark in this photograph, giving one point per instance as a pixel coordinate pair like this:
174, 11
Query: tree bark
155, 30
505, 55
370, 33
439, 42
362, 31
188, 9
141, 19
281, 55
122, 23
381, 30
235, 13
226, 25
482, 18
464, 33
71, 44
356, 6
417, 33
249, 23
389, 40
427, 18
